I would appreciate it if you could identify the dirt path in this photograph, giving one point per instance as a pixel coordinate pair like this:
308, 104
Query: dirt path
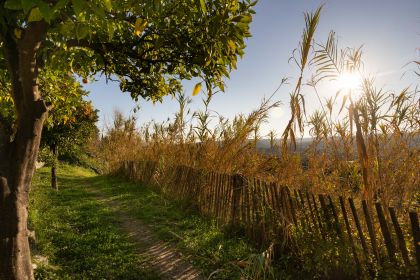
163, 256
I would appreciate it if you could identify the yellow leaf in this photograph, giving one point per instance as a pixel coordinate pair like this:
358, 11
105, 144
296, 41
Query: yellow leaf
197, 89
234, 64
18, 33
231, 45
139, 26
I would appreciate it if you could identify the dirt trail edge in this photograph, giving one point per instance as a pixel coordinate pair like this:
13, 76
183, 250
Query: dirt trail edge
163, 256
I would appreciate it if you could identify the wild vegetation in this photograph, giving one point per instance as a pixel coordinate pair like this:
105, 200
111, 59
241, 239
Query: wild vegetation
365, 145
365, 140
147, 45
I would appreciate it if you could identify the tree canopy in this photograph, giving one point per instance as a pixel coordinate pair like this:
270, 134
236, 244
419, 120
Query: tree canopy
70, 125
149, 46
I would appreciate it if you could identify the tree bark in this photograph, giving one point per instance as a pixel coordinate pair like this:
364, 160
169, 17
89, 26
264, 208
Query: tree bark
18, 152
54, 167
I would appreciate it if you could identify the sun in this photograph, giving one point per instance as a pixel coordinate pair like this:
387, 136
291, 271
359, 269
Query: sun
348, 80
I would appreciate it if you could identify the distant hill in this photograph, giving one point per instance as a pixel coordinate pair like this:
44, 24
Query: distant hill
303, 144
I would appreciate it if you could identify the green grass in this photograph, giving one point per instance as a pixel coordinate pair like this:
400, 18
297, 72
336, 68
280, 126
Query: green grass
210, 248
77, 233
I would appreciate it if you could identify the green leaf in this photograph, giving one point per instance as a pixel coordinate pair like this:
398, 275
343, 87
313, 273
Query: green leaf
45, 10
237, 18
99, 11
13, 5
246, 19
232, 45
82, 31
35, 15
110, 30
203, 6
79, 8
107, 5
60, 5
27, 5
234, 63
67, 28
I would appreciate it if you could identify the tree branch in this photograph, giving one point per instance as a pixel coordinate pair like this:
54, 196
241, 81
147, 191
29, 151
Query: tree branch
11, 54
28, 68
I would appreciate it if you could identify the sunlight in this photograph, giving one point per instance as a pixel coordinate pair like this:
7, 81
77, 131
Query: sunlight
349, 80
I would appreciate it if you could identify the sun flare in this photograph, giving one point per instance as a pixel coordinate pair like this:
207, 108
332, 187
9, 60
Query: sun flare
348, 80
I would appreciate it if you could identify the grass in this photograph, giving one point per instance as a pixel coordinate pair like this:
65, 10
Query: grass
210, 248
77, 237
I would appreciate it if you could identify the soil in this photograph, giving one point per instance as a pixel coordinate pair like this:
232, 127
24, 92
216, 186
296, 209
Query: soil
164, 257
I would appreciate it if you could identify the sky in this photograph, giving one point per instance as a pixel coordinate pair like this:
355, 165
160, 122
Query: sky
388, 30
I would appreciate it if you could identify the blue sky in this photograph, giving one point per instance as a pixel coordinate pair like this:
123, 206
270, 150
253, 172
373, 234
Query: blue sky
389, 31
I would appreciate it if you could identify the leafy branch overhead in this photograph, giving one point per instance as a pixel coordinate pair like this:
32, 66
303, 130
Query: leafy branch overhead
148, 45
62, 92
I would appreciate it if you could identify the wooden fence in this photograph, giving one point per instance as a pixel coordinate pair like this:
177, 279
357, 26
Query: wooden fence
370, 234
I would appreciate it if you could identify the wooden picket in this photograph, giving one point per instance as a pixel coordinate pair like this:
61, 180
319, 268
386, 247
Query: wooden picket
266, 209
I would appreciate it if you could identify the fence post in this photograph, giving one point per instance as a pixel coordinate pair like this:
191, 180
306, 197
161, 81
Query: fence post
371, 229
242, 202
237, 185
359, 228
217, 197
400, 236
125, 167
303, 209
292, 206
414, 219
326, 215
385, 232
337, 221
348, 228
314, 220
318, 216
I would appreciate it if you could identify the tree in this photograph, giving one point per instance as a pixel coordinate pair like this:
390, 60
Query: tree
70, 122
149, 46
70, 135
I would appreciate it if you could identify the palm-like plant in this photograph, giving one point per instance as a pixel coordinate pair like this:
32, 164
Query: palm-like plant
301, 58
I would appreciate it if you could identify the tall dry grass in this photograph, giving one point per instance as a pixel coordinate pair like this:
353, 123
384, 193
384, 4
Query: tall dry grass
367, 146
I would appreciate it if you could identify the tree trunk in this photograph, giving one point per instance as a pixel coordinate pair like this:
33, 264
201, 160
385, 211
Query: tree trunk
54, 168
18, 152
15, 179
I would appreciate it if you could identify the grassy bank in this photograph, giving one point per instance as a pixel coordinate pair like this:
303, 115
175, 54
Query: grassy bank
76, 235
211, 249
79, 237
